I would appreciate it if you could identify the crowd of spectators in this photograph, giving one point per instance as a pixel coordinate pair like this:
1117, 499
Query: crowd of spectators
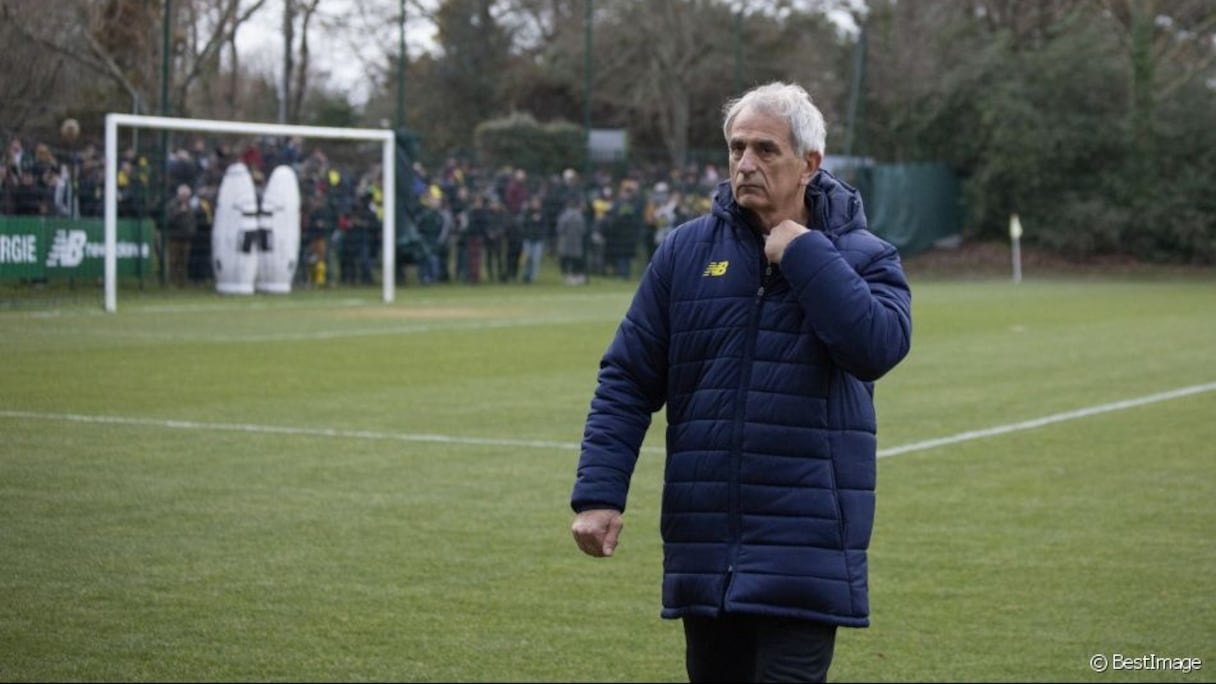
463, 223
499, 224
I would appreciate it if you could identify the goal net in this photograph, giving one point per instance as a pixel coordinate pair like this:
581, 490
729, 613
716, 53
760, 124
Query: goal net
252, 219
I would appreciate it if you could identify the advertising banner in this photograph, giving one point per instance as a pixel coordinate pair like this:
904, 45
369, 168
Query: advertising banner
53, 248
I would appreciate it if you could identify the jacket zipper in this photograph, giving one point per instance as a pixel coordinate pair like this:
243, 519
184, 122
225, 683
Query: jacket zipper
768, 277
737, 452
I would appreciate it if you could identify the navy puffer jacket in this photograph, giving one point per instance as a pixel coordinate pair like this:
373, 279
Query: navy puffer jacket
766, 373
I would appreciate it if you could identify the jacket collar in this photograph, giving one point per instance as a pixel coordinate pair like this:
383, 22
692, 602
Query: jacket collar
834, 206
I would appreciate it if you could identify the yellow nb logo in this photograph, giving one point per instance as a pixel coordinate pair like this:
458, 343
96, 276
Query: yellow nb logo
716, 268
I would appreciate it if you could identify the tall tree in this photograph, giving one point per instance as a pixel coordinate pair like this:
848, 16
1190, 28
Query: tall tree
1167, 45
34, 69
202, 31
475, 52
650, 55
111, 39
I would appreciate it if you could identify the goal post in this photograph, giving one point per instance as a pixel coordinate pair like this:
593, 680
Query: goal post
115, 120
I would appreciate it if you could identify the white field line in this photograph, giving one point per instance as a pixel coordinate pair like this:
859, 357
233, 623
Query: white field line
1047, 420
341, 333
276, 303
574, 446
293, 431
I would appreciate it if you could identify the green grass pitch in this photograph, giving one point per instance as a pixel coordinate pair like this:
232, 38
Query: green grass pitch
325, 487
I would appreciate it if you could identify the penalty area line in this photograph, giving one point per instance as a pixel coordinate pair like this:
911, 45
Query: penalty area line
292, 431
1047, 420
575, 446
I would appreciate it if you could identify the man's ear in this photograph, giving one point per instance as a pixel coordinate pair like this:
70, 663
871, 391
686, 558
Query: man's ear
812, 160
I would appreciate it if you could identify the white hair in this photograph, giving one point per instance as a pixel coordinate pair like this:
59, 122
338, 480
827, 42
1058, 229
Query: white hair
788, 101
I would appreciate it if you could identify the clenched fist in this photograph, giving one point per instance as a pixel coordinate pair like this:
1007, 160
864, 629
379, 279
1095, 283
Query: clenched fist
597, 530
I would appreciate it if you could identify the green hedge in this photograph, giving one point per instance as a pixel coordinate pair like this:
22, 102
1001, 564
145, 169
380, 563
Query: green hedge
520, 141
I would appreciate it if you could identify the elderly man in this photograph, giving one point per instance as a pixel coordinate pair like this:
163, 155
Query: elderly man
181, 223
761, 327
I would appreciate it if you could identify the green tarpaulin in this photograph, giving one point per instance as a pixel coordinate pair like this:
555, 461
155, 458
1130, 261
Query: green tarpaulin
911, 206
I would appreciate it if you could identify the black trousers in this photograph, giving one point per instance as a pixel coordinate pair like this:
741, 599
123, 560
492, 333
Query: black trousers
757, 648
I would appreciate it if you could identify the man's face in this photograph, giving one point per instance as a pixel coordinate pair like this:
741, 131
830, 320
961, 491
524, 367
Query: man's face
765, 174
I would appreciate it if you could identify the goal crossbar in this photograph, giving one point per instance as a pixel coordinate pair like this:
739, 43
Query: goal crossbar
114, 120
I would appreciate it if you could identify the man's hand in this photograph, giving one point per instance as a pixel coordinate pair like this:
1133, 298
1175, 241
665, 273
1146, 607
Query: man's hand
779, 237
596, 531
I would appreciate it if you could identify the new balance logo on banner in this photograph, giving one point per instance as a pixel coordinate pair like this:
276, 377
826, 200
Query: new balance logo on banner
67, 250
